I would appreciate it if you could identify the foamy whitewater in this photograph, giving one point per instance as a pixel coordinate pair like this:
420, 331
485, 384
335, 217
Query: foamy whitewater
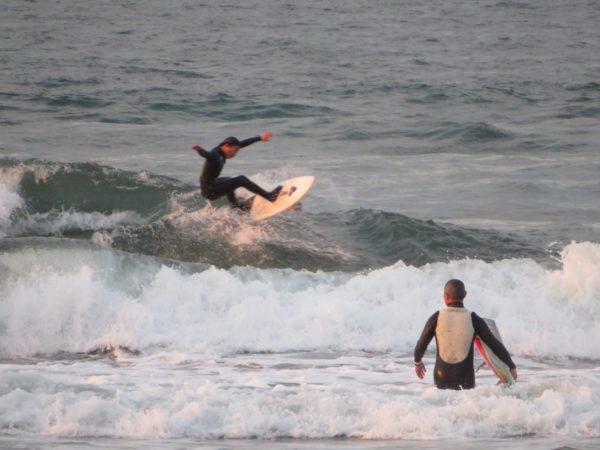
449, 139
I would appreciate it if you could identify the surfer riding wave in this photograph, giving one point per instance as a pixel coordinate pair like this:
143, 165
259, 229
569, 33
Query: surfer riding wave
213, 186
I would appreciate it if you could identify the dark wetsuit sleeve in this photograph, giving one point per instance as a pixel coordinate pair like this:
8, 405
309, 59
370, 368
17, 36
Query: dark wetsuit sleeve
426, 336
247, 142
483, 331
204, 153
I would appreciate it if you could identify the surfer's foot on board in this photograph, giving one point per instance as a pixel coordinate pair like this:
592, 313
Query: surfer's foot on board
274, 194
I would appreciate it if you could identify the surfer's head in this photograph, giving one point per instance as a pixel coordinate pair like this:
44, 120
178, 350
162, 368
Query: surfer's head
454, 291
230, 146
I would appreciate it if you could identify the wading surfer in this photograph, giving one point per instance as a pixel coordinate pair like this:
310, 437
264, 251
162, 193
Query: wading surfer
455, 329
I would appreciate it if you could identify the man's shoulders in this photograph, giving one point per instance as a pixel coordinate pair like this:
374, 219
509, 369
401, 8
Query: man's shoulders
434, 316
215, 154
475, 316
478, 322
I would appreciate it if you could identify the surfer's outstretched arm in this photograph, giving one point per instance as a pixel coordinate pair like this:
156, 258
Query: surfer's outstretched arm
201, 151
483, 331
265, 136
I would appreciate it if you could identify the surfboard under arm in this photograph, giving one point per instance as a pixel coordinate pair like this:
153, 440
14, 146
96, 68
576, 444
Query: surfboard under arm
498, 366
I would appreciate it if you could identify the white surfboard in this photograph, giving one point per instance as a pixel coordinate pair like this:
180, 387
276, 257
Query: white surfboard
500, 369
291, 192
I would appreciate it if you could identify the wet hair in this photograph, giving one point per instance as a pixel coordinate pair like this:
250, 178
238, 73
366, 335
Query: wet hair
231, 140
455, 289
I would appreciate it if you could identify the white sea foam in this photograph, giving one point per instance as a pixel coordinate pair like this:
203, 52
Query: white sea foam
344, 396
540, 312
58, 222
226, 223
271, 353
10, 200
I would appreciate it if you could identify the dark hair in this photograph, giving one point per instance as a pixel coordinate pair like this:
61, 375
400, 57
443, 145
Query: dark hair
455, 289
231, 140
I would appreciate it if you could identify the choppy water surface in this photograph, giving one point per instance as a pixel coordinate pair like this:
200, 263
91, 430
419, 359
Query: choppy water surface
448, 139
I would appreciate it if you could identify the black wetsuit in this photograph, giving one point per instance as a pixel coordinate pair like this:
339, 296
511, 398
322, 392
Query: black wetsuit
213, 187
461, 374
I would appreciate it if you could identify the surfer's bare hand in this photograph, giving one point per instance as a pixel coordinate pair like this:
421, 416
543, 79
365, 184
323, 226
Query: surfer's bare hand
420, 370
197, 147
513, 372
266, 135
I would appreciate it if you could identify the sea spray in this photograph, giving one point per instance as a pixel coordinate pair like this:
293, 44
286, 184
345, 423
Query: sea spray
10, 200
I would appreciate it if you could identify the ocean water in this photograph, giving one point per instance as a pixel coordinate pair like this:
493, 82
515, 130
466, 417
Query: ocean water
454, 139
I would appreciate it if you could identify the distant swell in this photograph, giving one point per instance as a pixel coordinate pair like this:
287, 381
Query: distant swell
465, 133
389, 237
78, 101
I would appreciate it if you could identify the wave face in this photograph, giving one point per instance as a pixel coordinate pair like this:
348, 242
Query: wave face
51, 198
154, 215
86, 187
